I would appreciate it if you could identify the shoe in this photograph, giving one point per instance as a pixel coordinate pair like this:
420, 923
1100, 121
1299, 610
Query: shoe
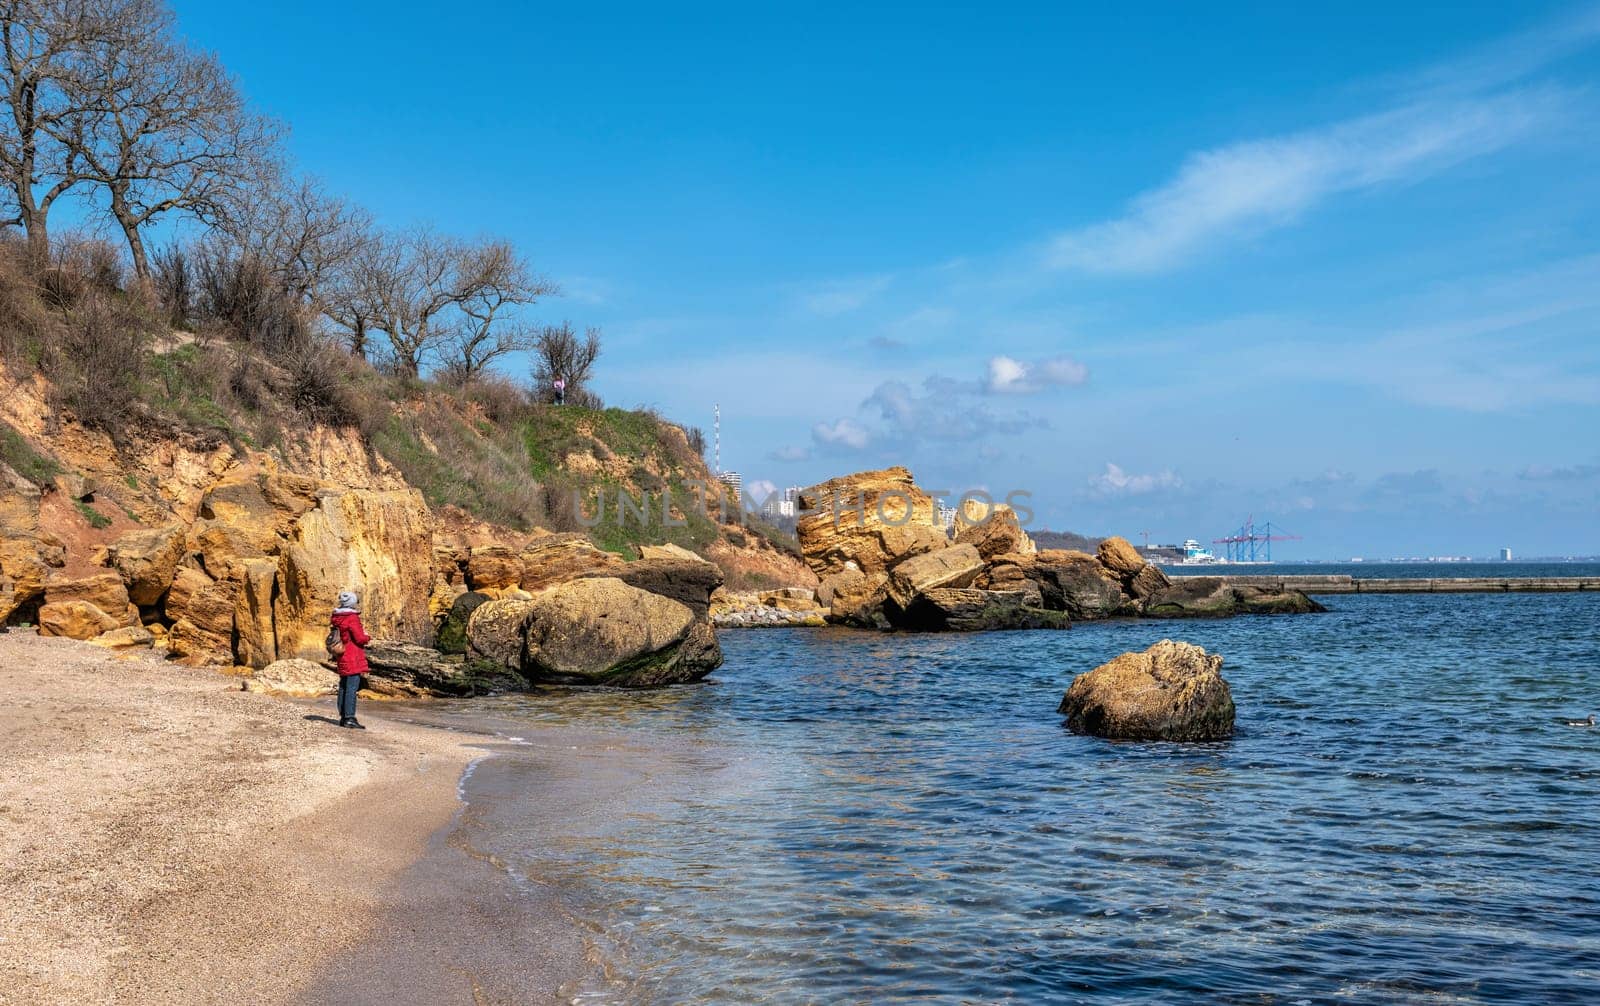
345, 721
354, 725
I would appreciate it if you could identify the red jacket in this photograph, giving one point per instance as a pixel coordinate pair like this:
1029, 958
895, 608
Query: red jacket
354, 658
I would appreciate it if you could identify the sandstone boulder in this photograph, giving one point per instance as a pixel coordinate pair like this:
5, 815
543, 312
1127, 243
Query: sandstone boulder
24, 568
74, 619
1148, 582
955, 566
493, 567
1172, 691
1119, 556
667, 551
497, 630
126, 638
264, 505
1013, 571
103, 590
1077, 583
201, 611
873, 519
687, 581
858, 600
148, 560
997, 534
294, 677
603, 631
255, 641
557, 558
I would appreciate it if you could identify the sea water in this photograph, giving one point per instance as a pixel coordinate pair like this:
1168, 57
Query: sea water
1403, 816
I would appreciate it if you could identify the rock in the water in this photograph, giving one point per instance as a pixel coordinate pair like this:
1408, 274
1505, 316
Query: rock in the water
74, 620
858, 599
1172, 691
955, 566
148, 560
295, 677
1119, 556
964, 609
603, 631
1078, 584
1214, 597
1013, 571
872, 519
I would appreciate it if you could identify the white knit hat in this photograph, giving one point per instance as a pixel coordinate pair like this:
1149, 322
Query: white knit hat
348, 599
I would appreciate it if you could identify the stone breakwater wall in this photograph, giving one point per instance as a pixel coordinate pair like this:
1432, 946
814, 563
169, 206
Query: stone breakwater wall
1344, 584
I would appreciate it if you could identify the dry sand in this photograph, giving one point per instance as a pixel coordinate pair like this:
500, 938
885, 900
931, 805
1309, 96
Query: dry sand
167, 838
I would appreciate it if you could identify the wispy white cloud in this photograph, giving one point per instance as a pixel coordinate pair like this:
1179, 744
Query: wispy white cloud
1116, 482
789, 455
1008, 376
1247, 188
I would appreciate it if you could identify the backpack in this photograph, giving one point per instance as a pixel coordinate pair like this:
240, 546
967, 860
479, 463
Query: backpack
334, 642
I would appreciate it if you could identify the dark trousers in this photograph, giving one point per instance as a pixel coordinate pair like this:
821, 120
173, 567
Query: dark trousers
348, 683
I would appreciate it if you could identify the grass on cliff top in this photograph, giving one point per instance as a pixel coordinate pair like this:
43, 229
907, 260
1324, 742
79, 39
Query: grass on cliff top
24, 460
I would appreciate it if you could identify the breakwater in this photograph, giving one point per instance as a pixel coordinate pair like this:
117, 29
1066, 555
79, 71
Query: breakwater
1330, 583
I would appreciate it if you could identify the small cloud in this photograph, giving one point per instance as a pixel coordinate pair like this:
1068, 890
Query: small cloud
1116, 482
758, 491
586, 290
790, 454
1008, 376
884, 342
844, 433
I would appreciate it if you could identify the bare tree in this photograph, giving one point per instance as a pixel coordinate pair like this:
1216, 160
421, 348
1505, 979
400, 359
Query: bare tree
560, 355
412, 291
493, 280
353, 296
302, 234
165, 129
41, 44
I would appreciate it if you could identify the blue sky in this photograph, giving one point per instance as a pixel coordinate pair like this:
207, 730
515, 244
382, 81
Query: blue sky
1338, 269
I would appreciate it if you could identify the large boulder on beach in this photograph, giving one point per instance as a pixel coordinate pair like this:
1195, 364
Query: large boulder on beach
1172, 691
872, 519
953, 566
294, 677
603, 631
103, 590
687, 581
496, 632
557, 558
74, 619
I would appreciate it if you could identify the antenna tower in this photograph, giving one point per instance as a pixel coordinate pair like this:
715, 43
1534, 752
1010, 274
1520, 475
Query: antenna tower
716, 427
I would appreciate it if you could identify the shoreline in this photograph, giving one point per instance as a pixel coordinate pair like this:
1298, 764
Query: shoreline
166, 837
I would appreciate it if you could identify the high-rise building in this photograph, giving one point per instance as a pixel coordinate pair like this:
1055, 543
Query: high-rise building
735, 482
1505, 555
947, 516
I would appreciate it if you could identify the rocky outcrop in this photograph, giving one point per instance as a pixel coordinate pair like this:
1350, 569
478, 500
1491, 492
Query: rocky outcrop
378, 543
497, 630
452, 636
952, 566
1214, 597
1080, 585
201, 612
966, 609
873, 519
603, 631
147, 561
557, 558
103, 590
1172, 691
992, 528
492, 568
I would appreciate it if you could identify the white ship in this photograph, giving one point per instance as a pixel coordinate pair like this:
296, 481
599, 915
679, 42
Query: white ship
1194, 555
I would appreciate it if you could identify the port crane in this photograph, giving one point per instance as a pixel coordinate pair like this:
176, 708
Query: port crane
1251, 543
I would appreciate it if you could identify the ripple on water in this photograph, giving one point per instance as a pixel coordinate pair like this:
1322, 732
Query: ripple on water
1402, 817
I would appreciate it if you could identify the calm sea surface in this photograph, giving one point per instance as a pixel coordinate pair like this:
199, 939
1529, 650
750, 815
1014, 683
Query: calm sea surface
1404, 816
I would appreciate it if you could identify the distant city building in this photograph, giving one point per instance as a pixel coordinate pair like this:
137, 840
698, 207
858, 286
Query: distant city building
734, 481
792, 495
1505, 555
775, 507
947, 516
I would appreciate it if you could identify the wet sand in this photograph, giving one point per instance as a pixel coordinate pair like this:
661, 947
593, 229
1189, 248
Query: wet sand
167, 838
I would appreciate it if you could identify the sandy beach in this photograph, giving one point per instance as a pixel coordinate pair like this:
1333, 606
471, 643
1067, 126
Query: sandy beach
166, 837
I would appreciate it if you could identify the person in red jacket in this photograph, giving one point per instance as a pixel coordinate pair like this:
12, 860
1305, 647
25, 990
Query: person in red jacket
353, 661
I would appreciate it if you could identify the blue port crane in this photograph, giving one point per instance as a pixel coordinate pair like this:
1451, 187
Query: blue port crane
1252, 544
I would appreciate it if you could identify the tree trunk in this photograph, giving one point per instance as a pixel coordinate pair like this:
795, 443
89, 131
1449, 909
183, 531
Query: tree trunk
141, 261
